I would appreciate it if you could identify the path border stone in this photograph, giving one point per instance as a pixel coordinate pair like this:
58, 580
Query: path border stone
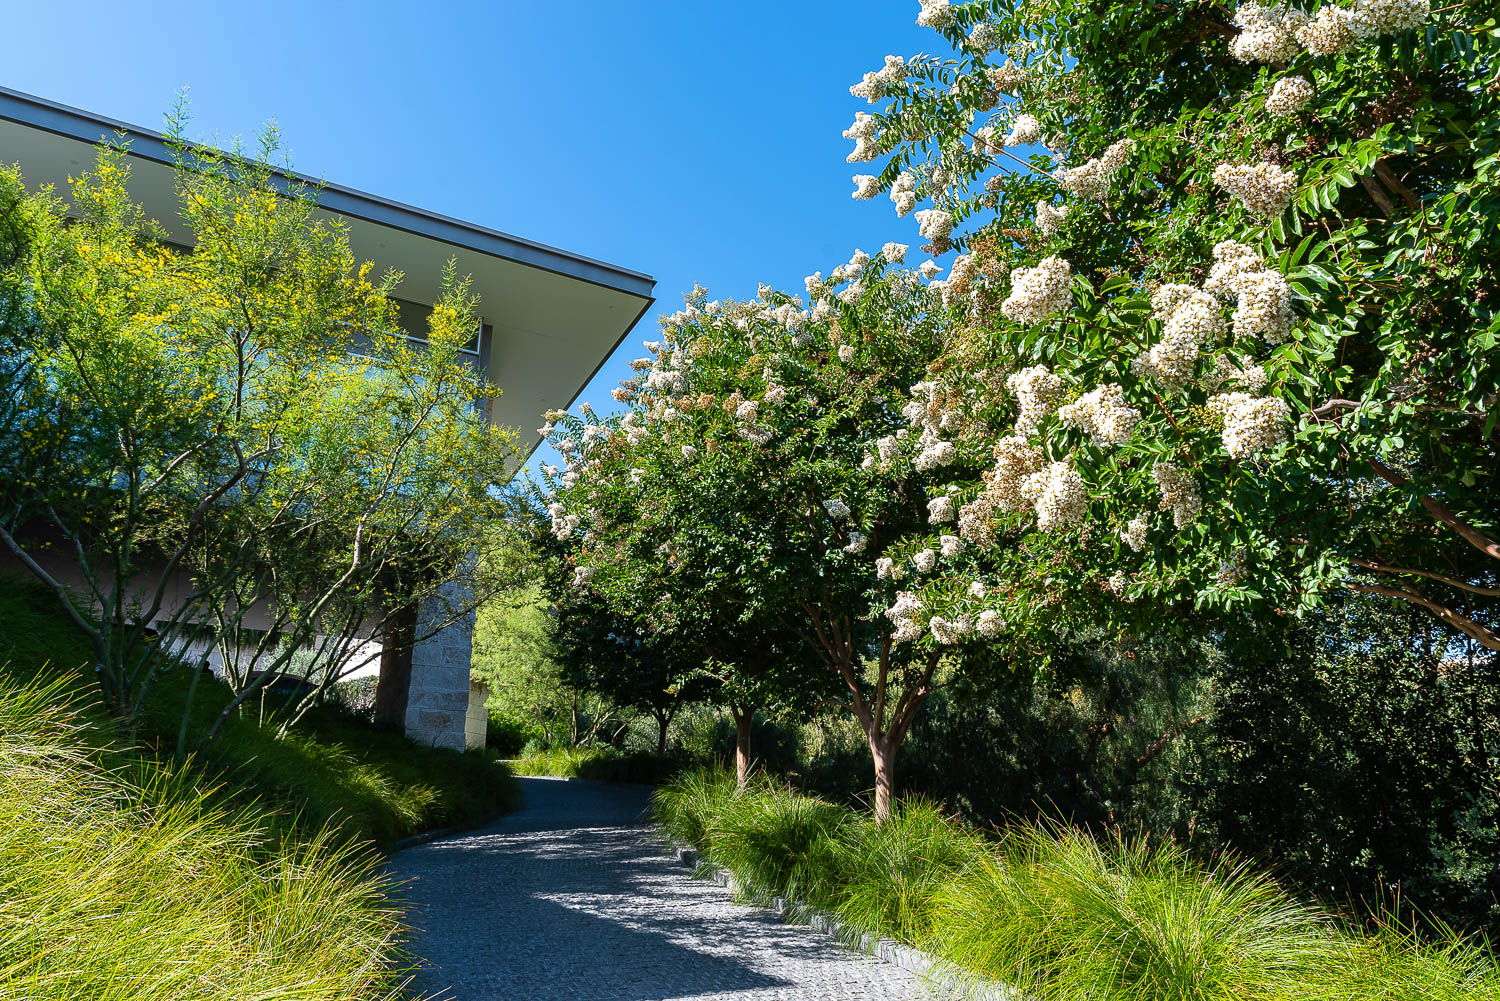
937, 973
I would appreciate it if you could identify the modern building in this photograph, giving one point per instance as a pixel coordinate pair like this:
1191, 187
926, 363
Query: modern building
550, 319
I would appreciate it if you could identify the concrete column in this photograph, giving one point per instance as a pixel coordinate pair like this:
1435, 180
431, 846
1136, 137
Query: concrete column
440, 699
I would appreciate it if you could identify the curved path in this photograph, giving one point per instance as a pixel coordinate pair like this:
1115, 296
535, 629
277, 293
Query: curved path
571, 898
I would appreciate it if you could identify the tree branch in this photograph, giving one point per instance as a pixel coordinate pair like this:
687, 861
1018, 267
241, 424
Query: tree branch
1486, 637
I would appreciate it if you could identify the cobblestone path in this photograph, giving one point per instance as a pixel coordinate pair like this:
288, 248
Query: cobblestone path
570, 898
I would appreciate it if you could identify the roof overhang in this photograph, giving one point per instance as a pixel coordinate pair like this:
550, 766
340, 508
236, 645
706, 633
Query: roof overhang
555, 316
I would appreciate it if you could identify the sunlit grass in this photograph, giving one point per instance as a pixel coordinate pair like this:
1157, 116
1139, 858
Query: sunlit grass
133, 884
1058, 913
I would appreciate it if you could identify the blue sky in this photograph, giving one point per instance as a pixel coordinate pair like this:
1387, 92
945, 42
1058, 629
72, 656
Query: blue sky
692, 141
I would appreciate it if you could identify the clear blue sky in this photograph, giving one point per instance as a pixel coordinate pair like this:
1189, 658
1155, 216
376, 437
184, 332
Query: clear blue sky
692, 141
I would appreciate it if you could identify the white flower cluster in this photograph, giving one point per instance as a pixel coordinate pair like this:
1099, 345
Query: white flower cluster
1190, 318
1251, 424
582, 576
1040, 292
940, 510
1263, 188
930, 270
905, 615
934, 453
885, 567
1179, 493
990, 623
1102, 414
935, 14
689, 452
1008, 78
1057, 494
1015, 460
1332, 31
1264, 300
1036, 390
951, 545
984, 37
857, 542
887, 450
1134, 533
1233, 569
893, 252
925, 560
866, 135
563, 523
866, 186
1268, 33
1049, 218
1290, 95
904, 192
846, 353
1092, 178
935, 225
949, 631
879, 83
837, 509
1024, 131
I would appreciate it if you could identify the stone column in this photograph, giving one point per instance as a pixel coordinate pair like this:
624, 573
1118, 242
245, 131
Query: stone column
440, 699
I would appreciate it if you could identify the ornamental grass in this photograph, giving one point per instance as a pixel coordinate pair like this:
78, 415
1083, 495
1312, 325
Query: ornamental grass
126, 884
1058, 913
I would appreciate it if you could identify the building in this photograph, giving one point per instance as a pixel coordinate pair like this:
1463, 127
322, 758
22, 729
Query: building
550, 319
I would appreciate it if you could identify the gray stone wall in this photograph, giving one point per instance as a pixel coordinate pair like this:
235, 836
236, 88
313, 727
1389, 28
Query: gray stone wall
440, 700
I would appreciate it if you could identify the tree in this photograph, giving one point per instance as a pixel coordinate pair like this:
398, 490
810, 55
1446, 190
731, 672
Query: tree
1226, 290
246, 415
765, 477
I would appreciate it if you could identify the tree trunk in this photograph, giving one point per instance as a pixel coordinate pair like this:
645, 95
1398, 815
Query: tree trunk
883, 751
662, 722
394, 683
744, 713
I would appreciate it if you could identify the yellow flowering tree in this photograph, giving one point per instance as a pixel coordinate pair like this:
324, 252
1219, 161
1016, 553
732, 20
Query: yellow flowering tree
231, 447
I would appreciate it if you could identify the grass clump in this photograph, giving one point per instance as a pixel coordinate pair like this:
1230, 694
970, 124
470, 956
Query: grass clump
1057, 913
599, 764
137, 883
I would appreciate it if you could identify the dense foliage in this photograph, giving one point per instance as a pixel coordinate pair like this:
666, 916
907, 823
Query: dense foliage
247, 416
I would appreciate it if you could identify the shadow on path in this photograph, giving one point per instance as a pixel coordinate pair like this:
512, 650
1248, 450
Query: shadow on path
570, 898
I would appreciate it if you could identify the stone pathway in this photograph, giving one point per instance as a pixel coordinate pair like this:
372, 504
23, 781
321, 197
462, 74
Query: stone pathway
570, 898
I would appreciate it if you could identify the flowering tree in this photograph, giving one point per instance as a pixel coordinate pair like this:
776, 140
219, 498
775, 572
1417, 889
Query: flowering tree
772, 473
246, 417
1223, 303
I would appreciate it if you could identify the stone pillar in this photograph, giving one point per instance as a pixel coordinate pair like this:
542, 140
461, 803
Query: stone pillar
440, 697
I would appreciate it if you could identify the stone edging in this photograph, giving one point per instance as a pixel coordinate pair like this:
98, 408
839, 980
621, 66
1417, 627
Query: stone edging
925, 966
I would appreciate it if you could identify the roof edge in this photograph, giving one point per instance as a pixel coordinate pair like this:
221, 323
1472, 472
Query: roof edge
74, 123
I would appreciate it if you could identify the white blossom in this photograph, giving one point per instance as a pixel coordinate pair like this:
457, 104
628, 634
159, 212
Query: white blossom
1103, 415
866, 186
925, 559
582, 576
1330, 32
866, 135
950, 545
935, 14
1265, 307
689, 452
940, 509
1040, 292
984, 37
1092, 178
1008, 78
1037, 391
857, 542
990, 623
938, 453
904, 192
1251, 424
1290, 95
949, 631
1179, 493
1134, 533
930, 269
881, 82
837, 509
1263, 188
1024, 131
1058, 496
905, 615
894, 253
1049, 218
935, 225
1268, 33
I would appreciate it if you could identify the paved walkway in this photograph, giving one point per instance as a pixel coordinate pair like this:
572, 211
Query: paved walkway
570, 898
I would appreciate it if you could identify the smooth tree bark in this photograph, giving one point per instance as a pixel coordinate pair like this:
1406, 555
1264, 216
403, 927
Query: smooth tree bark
744, 714
393, 686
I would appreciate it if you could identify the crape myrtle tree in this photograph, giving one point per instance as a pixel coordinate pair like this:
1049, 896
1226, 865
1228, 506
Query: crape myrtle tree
1226, 280
771, 468
246, 416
